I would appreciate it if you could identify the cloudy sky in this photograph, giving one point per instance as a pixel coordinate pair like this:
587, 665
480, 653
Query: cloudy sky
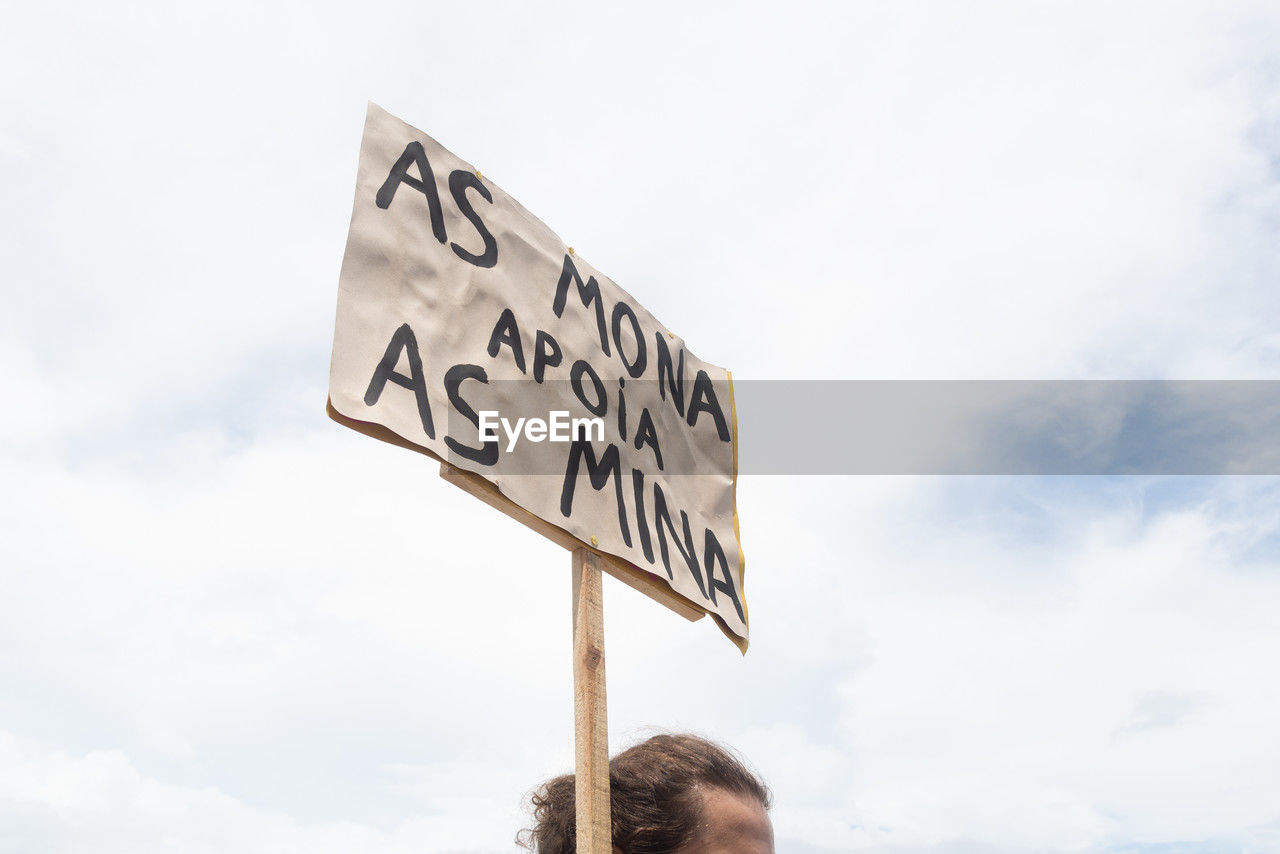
229, 625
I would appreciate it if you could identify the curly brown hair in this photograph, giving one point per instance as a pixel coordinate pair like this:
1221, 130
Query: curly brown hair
654, 792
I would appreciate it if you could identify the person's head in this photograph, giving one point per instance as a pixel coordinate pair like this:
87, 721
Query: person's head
671, 794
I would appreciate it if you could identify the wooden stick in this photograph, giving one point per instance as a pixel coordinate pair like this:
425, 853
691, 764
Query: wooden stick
590, 711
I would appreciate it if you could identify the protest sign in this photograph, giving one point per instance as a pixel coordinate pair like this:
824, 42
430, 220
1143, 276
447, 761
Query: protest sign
469, 331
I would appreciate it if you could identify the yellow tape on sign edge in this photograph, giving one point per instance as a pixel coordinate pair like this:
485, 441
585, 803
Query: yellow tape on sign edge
741, 643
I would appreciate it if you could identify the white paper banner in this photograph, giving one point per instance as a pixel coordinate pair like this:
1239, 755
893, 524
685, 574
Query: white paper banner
458, 309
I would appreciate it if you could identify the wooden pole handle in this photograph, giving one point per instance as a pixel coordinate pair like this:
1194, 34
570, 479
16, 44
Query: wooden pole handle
590, 711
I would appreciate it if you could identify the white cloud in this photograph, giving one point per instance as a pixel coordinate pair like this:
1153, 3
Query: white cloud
100, 801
